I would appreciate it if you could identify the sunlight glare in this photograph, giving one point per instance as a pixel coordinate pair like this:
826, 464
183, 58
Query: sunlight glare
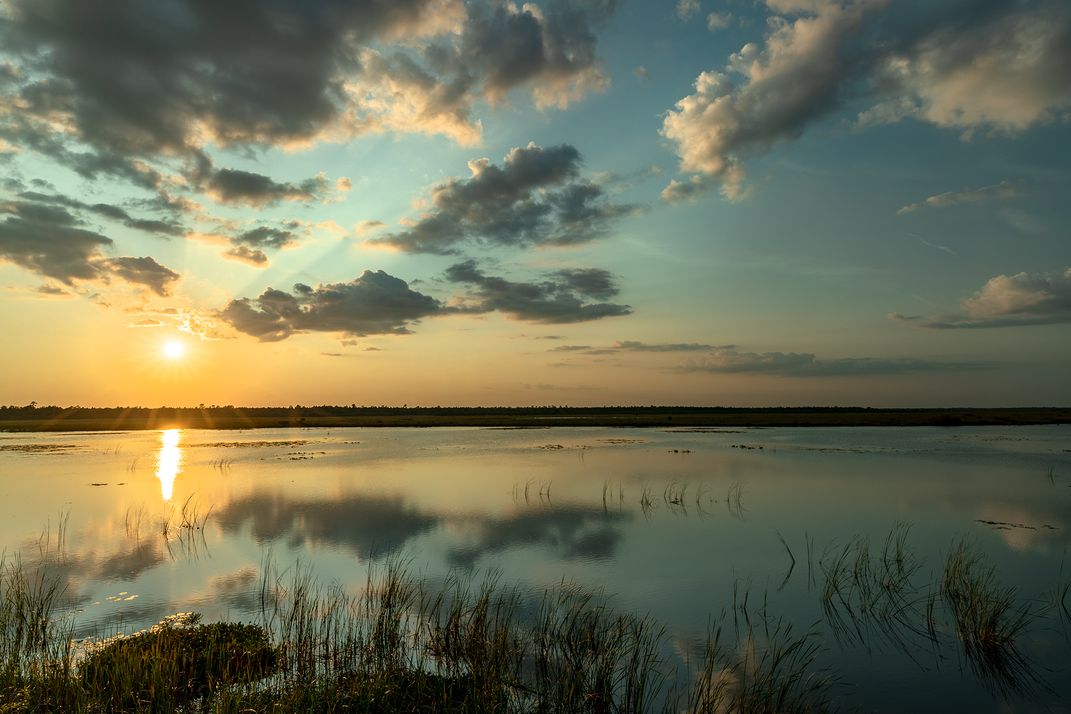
168, 461
173, 349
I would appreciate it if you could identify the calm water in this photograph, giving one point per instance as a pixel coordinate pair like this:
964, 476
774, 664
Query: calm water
670, 523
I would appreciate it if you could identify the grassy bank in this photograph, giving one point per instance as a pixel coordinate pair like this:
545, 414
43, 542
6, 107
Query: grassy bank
134, 418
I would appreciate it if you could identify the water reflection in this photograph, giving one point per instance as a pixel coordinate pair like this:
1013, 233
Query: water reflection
168, 461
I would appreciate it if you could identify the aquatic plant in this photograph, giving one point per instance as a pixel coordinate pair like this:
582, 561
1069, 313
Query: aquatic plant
772, 670
989, 620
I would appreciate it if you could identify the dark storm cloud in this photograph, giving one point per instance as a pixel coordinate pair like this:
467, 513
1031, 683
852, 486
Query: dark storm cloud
233, 186
960, 64
729, 360
1008, 301
375, 303
535, 197
561, 297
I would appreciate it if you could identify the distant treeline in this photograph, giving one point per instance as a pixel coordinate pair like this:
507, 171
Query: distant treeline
32, 411
54, 418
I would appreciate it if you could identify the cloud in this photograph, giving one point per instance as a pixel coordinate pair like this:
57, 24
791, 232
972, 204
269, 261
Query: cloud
167, 77
372, 304
266, 237
687, 9
535, 198
971, 65
100, 89
48, 240
998, 192
635, 346
728, 360
550, 49
144, 271
249, 246
107, 210
250, 256
718, 20
680, 191
563, 296
252, 189
363, 228
1008, 301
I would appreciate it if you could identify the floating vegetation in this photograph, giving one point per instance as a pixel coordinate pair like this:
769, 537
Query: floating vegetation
1006, 525
249, 444
41, 448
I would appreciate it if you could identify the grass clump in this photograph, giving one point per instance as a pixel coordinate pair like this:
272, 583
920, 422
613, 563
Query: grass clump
773, 670
174, 662
989, 619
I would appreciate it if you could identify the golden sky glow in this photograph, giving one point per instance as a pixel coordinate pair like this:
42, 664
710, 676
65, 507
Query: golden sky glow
570, 202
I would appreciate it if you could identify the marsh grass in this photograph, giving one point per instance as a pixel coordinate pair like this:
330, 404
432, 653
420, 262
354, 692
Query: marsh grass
471, 644
990, 620
771, 669
870, 592
34, 641
395, 645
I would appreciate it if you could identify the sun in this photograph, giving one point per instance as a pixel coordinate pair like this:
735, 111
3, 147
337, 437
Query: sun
173, 349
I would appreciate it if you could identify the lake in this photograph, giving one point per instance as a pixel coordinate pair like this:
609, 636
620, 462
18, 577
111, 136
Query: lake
843, 532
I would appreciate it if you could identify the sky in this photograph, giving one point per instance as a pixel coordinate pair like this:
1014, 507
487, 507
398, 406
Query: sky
582, 202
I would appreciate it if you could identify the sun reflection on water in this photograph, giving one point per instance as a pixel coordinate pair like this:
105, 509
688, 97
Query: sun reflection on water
168, 461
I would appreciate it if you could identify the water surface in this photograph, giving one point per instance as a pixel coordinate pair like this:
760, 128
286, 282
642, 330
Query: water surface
671, 523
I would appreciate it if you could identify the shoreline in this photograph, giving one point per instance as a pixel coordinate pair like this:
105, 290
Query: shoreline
55, 419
